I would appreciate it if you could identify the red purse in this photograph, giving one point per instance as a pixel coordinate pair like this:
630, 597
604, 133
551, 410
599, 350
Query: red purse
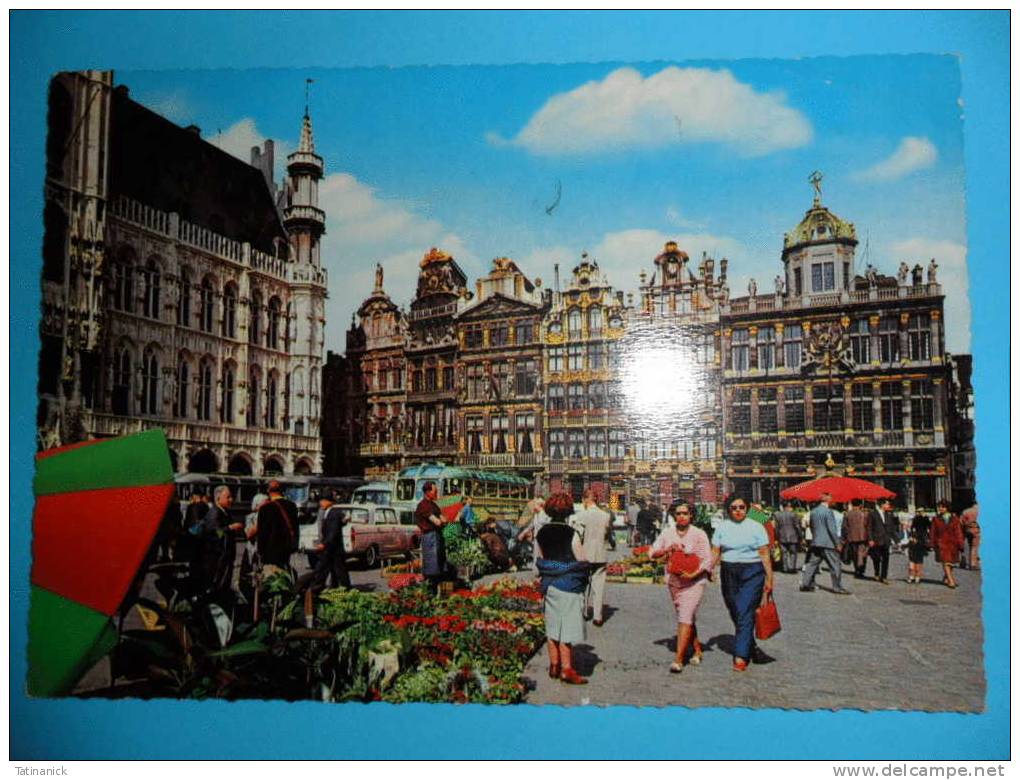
681, 562
766, 619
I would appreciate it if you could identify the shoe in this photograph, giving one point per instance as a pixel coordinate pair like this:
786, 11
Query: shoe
884, 581
675, 668
841, 592
554, 671
570, 677
695, 660
597, 622
807, 588
739, 665
951, 585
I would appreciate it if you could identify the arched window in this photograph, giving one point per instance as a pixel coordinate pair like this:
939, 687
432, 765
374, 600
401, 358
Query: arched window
595, 321
184, 301
271, 400
208, 296
150, 382
230, 311
181, 405
273, 331
255, 314
151, 281
205, 389
227, 402
122, 288
252, 414
574, 323
313, 393
121, 397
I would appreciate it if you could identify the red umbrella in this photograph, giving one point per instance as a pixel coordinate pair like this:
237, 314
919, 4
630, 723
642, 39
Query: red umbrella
842, 489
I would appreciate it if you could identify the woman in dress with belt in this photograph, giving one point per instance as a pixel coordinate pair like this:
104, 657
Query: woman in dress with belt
564, 572
743, 547
947, 541
917, 548
687, 588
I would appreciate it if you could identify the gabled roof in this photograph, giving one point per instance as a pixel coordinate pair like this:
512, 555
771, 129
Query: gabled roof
498, 303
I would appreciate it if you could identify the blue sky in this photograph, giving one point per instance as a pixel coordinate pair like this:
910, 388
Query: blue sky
714, 154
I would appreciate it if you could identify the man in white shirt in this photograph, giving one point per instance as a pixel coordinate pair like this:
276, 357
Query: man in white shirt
596, 524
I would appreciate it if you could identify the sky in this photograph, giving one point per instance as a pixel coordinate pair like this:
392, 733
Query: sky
712, 154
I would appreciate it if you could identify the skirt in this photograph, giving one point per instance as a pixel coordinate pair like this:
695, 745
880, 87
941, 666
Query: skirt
686, 598
916, 553
564, 616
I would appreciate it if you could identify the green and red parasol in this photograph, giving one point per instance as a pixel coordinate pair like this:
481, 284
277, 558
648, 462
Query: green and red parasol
98, 507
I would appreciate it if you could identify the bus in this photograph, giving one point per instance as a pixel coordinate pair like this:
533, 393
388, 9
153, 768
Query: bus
503, 496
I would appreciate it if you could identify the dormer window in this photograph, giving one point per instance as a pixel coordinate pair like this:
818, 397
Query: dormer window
821, 230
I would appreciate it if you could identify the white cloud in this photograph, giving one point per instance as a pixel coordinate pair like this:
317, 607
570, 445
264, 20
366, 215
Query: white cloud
952, 275
913, 154
240, 137
674, 106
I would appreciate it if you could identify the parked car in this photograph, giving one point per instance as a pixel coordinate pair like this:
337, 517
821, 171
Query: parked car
371, 532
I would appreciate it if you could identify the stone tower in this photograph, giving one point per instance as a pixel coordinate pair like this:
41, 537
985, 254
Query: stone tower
305, 223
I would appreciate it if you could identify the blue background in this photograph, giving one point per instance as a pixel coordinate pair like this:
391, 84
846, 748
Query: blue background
44, 42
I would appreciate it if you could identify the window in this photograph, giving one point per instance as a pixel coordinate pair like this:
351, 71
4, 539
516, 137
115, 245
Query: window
595, 321
255, 324
448, 383
614, 395
272, 396
889, 339
740, 349
184, 300
525, 425
574, 323
501, 379
798, 284
823, 277
123, 285
575, 357
891, 400
476, 381
863, 411
575, 395
766, 348
597, 395
150, 382
526, 377
525, 332
575, 443
273, 331
151, 281
556, 403
473, 424
121, 397
430, 379
382, 377
597, 443
557, 444
792, 342
230, 311
613, 355
768, 421
860, 341
181, 401
500, 432
473, 337
828, 408
793, 407
254, 387
706, 348
227, 403
556, 358
919, 337
397, 379
416, 380
499, 336
595, 356
922, 405
205, 389
708, 443
617, 444
206, 302
741, 409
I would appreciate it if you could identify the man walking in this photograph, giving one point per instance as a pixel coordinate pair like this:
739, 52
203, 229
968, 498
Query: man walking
972, 534
596, 524
884, 526
276, 529
332, 562
856, 531
824, 544
219, 541
790, 535
647, 520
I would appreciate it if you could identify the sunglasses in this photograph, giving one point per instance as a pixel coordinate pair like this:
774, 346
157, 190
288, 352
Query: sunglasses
738, 508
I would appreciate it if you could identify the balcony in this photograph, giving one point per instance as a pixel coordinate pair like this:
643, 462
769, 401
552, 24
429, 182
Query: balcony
503, 460
304, 214
817, 441
380, 448
447, 309
768, 302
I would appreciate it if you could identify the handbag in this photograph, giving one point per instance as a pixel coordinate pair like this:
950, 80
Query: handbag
681, 562
766, 619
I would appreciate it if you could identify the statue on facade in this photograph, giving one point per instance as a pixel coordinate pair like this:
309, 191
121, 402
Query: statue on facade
378, 277
917, 275
752, 288
933, 267
871, 275
904, 271
780, 284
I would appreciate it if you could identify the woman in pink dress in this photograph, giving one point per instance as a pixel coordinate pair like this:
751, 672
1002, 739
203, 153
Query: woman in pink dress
687, 588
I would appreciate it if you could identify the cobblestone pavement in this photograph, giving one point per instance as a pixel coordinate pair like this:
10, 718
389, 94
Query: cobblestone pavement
896, 646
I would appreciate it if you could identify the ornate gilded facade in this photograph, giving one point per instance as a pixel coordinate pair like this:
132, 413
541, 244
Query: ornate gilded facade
836, 367
180, 289
499, 368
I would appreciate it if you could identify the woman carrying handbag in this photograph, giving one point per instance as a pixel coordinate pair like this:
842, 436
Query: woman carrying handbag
688, 567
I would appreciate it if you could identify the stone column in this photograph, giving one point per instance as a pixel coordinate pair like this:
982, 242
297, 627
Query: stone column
936, 336
904, 346
848, 408
754, 411
752, 347
876, 407
908, 426
781, 409
939, 414
809, 408
876, 351
780, 352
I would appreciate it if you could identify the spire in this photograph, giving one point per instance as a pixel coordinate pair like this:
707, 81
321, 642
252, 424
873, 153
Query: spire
307, 143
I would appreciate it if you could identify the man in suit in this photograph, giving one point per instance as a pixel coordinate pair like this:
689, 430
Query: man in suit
332, 555
825, 543
856, 533
790, 535
884, 527
596, 524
